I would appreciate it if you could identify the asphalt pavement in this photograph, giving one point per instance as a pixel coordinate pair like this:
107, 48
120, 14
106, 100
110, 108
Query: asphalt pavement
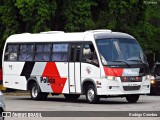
58, 103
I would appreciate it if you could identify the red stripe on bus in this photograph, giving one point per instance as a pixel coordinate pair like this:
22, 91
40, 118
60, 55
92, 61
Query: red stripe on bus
51, 71
117, 72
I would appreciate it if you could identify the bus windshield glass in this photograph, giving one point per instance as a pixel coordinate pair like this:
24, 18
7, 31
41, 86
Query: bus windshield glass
120, 51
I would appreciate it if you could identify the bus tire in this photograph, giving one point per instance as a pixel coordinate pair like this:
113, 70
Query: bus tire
1, 118
132, 98
91, 95
71, 97
36, 93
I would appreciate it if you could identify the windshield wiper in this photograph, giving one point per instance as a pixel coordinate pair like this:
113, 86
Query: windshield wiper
121, 61
139, 61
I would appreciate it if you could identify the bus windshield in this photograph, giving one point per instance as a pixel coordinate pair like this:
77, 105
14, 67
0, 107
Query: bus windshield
120, 51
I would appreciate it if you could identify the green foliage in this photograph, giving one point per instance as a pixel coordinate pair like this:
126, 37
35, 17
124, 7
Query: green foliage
136, 17
37, 14
147, 29
152, 22
8, 20
77, 15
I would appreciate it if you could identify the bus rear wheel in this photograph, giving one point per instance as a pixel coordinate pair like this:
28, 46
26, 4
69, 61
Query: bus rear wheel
91, 95
132, 98
71, 97
36, 93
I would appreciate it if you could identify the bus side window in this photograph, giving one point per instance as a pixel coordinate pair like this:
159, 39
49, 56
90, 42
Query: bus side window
72, 53
75, 52
89, 54
43, 52
86, 52
60, 52
11, 52
38, 50
26, 52
78, 53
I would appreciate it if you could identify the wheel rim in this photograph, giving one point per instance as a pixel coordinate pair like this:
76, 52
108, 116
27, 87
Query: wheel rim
34, 91
90, 94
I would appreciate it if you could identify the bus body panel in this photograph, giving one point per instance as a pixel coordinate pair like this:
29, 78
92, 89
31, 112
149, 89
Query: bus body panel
12, 75
15, 82
64, 73
90, 71
13, 68
51, 80
16, 76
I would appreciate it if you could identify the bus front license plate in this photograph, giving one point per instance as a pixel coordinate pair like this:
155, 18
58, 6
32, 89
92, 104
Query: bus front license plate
132, 84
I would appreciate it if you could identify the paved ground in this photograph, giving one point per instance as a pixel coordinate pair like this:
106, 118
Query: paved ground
58, 103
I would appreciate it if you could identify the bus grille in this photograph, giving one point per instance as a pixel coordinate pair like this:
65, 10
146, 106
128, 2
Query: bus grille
129, 88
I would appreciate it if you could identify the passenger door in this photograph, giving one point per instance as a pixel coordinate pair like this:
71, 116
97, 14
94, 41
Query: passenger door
74, 68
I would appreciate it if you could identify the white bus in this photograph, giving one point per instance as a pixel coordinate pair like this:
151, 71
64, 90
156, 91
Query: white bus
95, 63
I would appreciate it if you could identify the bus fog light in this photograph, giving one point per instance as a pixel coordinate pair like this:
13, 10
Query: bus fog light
110, 87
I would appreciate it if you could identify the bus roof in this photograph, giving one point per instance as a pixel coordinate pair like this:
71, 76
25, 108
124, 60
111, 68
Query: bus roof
60, 36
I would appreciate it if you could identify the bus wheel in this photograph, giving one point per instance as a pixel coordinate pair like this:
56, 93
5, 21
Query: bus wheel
71, 97
132, 98
2, 118
36, 93
91, 95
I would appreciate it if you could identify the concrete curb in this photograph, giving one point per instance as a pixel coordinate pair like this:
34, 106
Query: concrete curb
16, 93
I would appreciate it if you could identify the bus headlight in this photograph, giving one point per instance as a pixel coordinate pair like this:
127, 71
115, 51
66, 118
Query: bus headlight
111, 77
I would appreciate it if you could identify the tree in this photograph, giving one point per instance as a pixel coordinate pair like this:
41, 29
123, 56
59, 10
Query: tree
8, 20
37, 15
135, 17
77, 15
